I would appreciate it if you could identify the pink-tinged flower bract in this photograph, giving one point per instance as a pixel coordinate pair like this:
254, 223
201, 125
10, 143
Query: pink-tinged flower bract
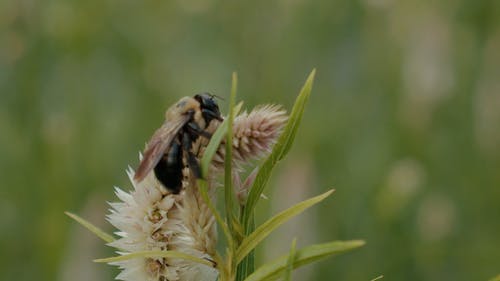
254, 134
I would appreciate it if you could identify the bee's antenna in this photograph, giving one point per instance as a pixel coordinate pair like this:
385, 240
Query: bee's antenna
216, 96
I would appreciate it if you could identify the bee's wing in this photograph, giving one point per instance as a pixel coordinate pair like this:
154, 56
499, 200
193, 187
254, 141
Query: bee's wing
158, 144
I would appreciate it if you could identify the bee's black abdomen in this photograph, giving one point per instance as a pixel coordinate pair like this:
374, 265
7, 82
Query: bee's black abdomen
169, 169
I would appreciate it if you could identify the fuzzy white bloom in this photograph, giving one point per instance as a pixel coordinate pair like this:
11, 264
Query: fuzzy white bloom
254, 134
151, 218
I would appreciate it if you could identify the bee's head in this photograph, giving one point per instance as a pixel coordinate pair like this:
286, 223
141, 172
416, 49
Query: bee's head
209, 107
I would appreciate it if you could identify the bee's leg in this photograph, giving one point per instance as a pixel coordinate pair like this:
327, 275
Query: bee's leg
190, 157
209, 115
195, 129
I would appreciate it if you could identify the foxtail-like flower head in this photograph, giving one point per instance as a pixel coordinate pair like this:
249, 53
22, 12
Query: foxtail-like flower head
254, 134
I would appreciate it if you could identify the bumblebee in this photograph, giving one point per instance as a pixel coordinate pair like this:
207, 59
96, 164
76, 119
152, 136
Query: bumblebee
170, 149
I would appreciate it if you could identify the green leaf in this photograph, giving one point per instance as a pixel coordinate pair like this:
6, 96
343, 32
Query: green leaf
252, 240
274, 270
157, 254
291, 260
228, 181
296, 115
94, 229
377, 278
280, 149
247, 265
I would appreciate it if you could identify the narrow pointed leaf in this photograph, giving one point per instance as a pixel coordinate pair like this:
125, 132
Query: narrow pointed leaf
228, 180
94, 229
291, 260
280, 149
274, 269
296, 115
261, 232
157, 254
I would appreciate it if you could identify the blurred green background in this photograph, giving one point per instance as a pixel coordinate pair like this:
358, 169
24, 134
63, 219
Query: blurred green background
404, 122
